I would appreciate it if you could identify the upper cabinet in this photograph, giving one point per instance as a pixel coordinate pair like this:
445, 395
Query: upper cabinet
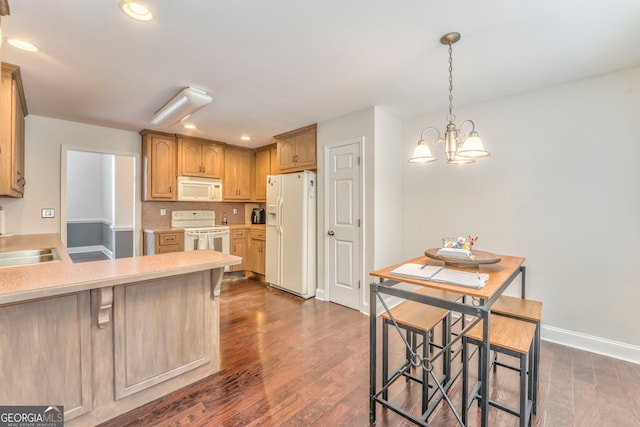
238, 173
266, 164
198, 157
159, 166
13, 109
297, 149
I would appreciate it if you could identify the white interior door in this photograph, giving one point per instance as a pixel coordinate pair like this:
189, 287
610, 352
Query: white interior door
343, 233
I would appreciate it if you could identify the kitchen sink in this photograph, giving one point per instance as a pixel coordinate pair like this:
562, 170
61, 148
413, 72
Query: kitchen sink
28, 257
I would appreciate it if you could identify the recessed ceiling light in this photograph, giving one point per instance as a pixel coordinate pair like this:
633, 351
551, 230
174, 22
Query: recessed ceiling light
24, 45
137, 11
245, 138
189, 126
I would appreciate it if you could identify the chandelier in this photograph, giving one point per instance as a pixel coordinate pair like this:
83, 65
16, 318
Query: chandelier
460, 148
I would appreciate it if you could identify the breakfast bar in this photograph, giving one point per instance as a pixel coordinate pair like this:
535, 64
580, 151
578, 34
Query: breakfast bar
102, 338
477, 303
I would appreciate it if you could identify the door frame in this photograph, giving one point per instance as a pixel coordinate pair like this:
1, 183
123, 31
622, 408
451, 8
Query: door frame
325, 222
64, 149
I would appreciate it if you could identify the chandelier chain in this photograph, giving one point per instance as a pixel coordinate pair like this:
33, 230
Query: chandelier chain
451, 117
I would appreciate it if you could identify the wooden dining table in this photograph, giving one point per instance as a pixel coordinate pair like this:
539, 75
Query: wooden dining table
477, 303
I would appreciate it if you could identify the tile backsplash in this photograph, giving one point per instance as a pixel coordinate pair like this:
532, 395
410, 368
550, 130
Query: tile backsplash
151, 217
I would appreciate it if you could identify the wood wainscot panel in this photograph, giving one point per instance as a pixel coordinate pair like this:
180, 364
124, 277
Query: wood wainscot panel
162, 329
46, 353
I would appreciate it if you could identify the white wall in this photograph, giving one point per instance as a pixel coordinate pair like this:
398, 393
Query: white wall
84, 171
382, 188
108, 190
560, 188
44, 138
124, 206
388, 190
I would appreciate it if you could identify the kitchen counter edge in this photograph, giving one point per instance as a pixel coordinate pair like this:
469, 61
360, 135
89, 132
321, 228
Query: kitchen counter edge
29, 282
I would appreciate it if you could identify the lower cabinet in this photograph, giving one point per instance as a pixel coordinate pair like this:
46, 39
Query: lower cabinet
238, 245
257, 247
162, 241
249, 243
47, 353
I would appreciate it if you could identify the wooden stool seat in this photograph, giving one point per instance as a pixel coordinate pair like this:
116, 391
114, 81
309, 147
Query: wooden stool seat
518, 307
416, 315
504, 332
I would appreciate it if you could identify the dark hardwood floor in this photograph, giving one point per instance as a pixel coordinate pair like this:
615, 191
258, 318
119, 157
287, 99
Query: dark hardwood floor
88, 256
289, 362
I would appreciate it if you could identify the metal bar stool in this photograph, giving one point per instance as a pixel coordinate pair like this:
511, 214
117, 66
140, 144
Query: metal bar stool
529, 311
417, 320
508, 336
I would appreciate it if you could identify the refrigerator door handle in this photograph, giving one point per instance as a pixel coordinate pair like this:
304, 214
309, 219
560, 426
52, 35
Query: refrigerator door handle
279, 219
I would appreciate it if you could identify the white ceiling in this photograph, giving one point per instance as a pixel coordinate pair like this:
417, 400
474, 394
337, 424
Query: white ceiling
276, 65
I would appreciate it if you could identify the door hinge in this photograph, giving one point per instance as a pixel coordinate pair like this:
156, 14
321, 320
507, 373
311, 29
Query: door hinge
358, 284
358, 222
358, 160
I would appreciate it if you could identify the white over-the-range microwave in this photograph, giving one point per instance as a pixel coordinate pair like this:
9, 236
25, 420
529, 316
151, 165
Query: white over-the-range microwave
194, 189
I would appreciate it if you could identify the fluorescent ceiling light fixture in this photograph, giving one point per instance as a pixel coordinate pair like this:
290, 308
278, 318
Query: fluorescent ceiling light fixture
189, 126
21, 44
245, 138
181, 106
135, 10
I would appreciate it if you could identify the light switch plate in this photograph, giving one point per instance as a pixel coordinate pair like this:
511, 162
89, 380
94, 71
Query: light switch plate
48, 213
163, 212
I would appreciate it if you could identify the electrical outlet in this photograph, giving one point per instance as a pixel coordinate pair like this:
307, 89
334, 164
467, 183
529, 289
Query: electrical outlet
48, 213
163, 212
235, 211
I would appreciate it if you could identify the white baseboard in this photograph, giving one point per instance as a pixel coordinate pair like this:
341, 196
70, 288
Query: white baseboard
603, 346
320, 294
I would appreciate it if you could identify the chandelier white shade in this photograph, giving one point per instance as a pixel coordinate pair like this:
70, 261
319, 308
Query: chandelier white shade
181, 106
459, 148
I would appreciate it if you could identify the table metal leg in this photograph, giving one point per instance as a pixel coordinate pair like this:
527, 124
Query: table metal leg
484, 369
372, 352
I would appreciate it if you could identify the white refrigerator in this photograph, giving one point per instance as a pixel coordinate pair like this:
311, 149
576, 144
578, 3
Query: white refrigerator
291, 233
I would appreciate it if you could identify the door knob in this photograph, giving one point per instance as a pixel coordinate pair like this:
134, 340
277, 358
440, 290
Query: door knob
330, 233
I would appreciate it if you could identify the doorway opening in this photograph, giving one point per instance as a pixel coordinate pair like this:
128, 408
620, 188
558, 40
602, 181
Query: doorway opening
99, 213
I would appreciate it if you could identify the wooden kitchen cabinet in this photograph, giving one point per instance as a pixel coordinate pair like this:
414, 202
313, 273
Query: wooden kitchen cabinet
197, 157
257, 245
159, 166
162, 241
238, 173
297, 149
239, 237
13, 109
265, 160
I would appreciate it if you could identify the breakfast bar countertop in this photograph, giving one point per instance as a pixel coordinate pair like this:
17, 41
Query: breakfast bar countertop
27, 282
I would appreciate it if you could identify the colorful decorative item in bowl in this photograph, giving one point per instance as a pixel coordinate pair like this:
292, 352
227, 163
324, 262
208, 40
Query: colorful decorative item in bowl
457, 247
459, 242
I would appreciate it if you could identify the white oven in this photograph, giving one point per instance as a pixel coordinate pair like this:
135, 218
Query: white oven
216, 239
201, 231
